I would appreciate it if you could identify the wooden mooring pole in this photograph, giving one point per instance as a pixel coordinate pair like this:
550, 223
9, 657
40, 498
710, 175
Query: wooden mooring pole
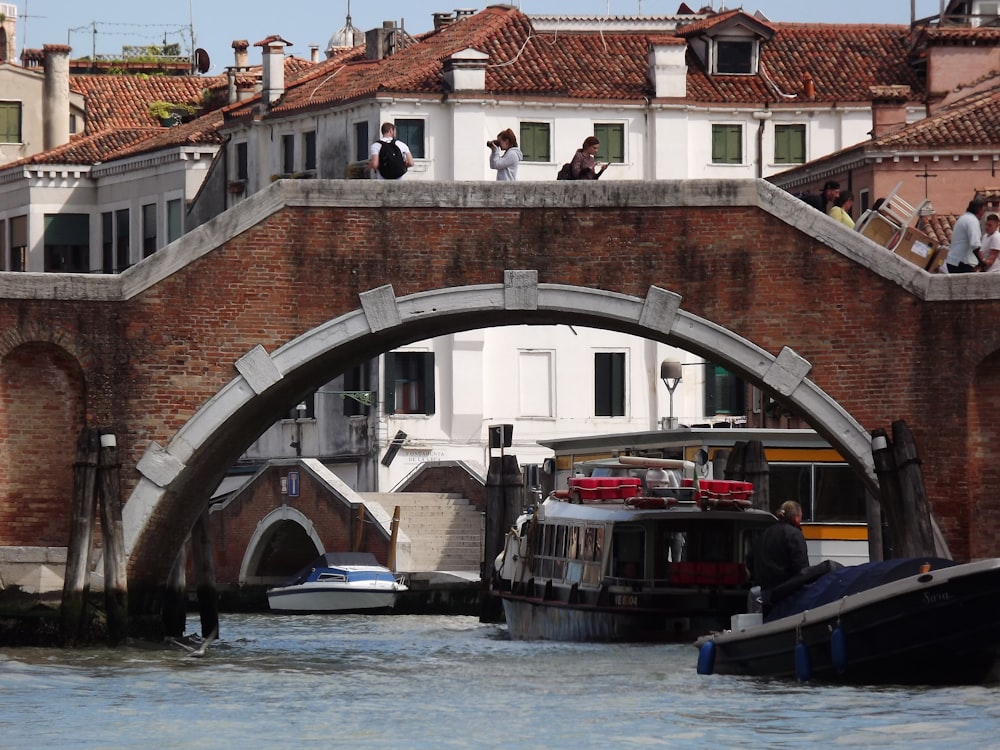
113, 534
204, 566
73, 614
174, 611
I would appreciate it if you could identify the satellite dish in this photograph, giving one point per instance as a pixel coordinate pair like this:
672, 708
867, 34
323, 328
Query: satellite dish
201, 60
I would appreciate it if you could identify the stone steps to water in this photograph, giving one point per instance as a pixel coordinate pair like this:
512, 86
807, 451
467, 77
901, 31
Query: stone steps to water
445, 529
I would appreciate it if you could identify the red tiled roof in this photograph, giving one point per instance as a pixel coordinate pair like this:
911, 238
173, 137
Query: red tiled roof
971, 121
88, 149
696, 27
121, 101
844, 61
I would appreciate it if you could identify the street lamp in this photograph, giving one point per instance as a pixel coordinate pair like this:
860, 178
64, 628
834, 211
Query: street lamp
670, 374
300, 412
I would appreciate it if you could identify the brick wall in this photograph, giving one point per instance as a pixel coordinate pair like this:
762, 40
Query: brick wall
148, 363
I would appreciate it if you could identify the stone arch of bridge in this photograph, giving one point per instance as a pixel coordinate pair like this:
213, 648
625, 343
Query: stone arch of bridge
173, 478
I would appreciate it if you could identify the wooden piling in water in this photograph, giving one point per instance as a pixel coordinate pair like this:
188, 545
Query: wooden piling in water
73, 615
204, 567
174, 609
889, 493
915, 505
503, 505
113, 535
393, 536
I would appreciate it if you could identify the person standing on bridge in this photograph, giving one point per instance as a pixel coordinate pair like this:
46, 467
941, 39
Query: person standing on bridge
966, 239
388, 158
990, 250
824, 200
841, 209
584, 164
505, 163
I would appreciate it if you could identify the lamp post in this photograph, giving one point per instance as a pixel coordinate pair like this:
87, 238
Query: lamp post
300, 412
670, 374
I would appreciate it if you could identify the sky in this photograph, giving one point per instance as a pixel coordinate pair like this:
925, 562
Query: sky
103, 26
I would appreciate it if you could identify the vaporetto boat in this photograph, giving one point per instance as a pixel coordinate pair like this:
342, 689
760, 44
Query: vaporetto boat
638, 550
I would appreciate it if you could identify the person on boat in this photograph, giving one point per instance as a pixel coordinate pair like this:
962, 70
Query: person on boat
780, 553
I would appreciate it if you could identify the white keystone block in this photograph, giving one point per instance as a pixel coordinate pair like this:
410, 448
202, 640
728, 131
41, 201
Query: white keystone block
660, 309
787, 372
159, 466
258, 369
520, 290
381, 308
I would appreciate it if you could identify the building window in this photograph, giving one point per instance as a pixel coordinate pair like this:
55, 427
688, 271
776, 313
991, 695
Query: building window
725, 393
242, 163
3, 244
735, 57
612, 138
10, 122
727, 144
67, 243
148, 229
411, 132
175, 219
609, 384
361, 143
74, 125
535, 141
122, 252
287, 154
18, 244
535, 380
789, 144
356, 379
409, 383
108, 242
309, 151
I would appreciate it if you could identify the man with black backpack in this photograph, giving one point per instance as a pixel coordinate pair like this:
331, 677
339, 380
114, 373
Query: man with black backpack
389, 158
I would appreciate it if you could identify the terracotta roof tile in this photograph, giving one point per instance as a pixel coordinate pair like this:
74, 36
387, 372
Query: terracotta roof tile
121, 101
971, 121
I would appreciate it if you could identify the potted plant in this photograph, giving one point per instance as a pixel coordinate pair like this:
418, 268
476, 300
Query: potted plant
169, 113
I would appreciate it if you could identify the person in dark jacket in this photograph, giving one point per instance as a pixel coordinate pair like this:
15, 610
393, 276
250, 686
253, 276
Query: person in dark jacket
824, 200
780, 554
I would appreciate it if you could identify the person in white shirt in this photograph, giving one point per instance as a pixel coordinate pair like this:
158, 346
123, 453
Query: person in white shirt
990, 249
388, 136
966, 237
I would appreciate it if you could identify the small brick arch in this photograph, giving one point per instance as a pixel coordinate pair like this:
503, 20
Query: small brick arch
163, 498
255, 547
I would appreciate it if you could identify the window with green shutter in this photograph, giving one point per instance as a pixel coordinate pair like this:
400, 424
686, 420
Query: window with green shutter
612, 138
789, 144
10, 122
535, 140
727, 144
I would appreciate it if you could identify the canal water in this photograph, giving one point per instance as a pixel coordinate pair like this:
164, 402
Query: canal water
402, 682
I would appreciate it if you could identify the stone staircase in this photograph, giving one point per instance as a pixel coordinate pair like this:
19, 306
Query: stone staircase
445, 530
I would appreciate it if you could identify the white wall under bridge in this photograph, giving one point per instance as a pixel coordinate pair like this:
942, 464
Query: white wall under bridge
385, 321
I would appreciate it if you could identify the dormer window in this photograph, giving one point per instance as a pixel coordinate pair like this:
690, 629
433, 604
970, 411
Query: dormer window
735, 56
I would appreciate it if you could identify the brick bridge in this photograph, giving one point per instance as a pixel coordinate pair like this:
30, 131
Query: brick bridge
189, 355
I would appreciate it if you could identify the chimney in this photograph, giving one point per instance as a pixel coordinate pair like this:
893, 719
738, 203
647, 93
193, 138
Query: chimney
466, 70
666, 69
314, 53
240, 47
808, 86
442, 19
273, 80
55, 96
888, 108
380, 43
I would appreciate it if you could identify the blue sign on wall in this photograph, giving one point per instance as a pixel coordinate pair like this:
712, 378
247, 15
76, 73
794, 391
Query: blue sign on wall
293, 484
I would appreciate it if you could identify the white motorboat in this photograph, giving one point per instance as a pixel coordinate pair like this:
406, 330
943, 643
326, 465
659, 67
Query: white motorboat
338, 582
